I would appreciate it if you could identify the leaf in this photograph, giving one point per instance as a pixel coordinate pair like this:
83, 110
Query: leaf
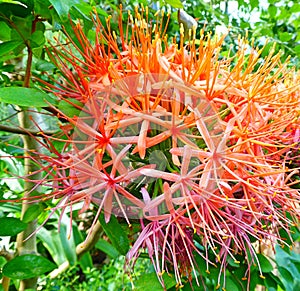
231, 285
62, 7
8, 46
69, 108
254, 4
285, 36
86, 260
24, 97
107, 248
175, 3
21, 8
149, 282
13, 167
41, 7
297, 49
272, 9
288, 267
4, 31
270, 283
10, 226
42, 65
287, 278
265, 264
295, 8
37, 39
52, 243
32, 212
60, 245
233, 263
13, 2
67, 240
115, 233
27, 266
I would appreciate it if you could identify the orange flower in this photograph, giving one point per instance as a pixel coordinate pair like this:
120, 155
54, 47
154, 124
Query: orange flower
227, 133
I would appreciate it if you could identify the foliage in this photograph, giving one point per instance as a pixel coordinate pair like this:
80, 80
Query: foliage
34, 76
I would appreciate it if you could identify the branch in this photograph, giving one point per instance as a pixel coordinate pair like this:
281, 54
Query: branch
30, 132
6, 254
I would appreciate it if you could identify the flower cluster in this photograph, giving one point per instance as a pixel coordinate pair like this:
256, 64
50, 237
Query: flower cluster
192, 143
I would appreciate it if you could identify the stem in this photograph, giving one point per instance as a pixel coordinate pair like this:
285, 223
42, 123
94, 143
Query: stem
8, 256
24, 245
30, 132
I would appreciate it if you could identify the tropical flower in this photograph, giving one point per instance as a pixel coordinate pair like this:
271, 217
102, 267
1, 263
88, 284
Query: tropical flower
227, 134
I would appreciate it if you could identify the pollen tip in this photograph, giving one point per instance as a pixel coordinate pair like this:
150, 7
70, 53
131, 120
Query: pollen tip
161, 273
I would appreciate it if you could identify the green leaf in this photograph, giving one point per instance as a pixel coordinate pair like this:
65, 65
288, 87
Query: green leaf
285, 36
2, 262
8, 46
21, 8
52, 243
175, 3
115, 233
27, 266
41, 7
67, 240
272, 9
4, 31
84, 9
265, 264
32, 212
10, 226
149, 282
42, 65
254, 4
275, 278
270, 283
287, 278
295, 8
63, 7
233, 263
297, 49
70, 107
13, 2
24, 96
86, 260
37, 39
13, 166
107, 248
288, 267
231, 285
